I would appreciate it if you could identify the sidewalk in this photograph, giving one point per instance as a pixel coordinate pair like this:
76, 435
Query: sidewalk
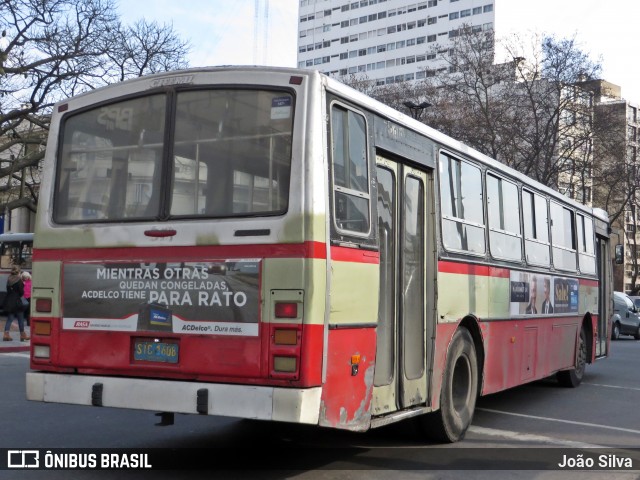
15, 345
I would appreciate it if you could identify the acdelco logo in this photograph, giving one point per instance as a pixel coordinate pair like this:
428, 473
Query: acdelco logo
81, 324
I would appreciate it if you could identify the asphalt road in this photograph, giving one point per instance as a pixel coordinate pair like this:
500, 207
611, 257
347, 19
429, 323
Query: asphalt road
509, 431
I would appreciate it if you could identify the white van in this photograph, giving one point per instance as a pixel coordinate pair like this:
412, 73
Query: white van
626, 318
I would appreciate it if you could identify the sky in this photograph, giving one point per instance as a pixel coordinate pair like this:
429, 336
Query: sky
222, 31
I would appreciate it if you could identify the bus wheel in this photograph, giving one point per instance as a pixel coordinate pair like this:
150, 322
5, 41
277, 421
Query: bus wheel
572, 378
458, 394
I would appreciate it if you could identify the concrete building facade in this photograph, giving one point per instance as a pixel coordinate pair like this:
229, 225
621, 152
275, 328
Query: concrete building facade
388, 41
621, 118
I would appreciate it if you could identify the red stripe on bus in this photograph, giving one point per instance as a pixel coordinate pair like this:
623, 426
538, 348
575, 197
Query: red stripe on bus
589, 283
471, 269
185, 253
346, 254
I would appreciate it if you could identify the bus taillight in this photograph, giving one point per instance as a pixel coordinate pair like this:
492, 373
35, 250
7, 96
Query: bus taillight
41, 351
283, 336
41, 328
285, 349
43, 305
286, 310
285, 364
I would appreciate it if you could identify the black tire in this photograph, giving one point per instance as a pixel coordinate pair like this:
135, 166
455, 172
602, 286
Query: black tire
458, 394
637, 334
572, 378
615, 331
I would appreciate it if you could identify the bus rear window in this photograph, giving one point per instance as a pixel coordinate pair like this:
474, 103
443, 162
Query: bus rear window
230, 155
110, 160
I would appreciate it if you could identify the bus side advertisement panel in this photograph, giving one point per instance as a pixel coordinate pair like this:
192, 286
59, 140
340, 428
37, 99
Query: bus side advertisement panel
215, 297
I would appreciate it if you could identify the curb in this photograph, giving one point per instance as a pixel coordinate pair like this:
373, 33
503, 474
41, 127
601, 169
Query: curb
14, 349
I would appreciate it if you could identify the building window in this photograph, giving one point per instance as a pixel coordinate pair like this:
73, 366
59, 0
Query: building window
477, 10
454, 15
487, 8
632, 133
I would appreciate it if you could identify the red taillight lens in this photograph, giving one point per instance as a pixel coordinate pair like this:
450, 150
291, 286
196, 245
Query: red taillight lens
43, 305
286, 310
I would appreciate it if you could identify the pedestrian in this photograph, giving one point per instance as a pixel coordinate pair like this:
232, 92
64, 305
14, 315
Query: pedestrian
13, 305
26, 280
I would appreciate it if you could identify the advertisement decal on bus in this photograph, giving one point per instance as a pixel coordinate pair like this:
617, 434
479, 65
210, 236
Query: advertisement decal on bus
216, 297
543, 294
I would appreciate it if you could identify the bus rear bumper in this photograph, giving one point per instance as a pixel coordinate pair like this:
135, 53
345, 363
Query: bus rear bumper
242, 401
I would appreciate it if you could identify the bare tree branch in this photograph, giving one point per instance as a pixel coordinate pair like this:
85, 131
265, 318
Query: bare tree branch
53, 49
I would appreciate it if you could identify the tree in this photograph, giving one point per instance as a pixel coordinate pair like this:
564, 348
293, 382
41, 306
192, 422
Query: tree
529, 112
534, 112
53, 49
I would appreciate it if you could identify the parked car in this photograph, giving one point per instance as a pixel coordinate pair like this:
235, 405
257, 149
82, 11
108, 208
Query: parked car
626, 317
636, 301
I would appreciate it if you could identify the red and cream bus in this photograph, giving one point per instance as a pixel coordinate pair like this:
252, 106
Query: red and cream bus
270, 244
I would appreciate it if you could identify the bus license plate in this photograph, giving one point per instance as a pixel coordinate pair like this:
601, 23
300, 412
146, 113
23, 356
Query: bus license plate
155, 351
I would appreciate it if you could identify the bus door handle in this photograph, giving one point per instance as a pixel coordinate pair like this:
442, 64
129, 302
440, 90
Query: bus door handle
156, 233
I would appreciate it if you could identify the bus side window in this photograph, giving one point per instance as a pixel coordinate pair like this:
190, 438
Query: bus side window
536, 228
563, 237
351, 196
461, 201
586, 247
504, 219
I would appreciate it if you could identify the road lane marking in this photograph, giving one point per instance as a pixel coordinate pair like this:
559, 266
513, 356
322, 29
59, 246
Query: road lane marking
528, 437
559, 420
611, 386
15, 354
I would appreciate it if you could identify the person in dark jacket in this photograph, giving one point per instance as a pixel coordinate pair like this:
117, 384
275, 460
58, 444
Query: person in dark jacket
13, 305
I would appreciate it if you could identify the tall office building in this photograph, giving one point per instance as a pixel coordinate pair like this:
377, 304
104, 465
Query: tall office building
388, 40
